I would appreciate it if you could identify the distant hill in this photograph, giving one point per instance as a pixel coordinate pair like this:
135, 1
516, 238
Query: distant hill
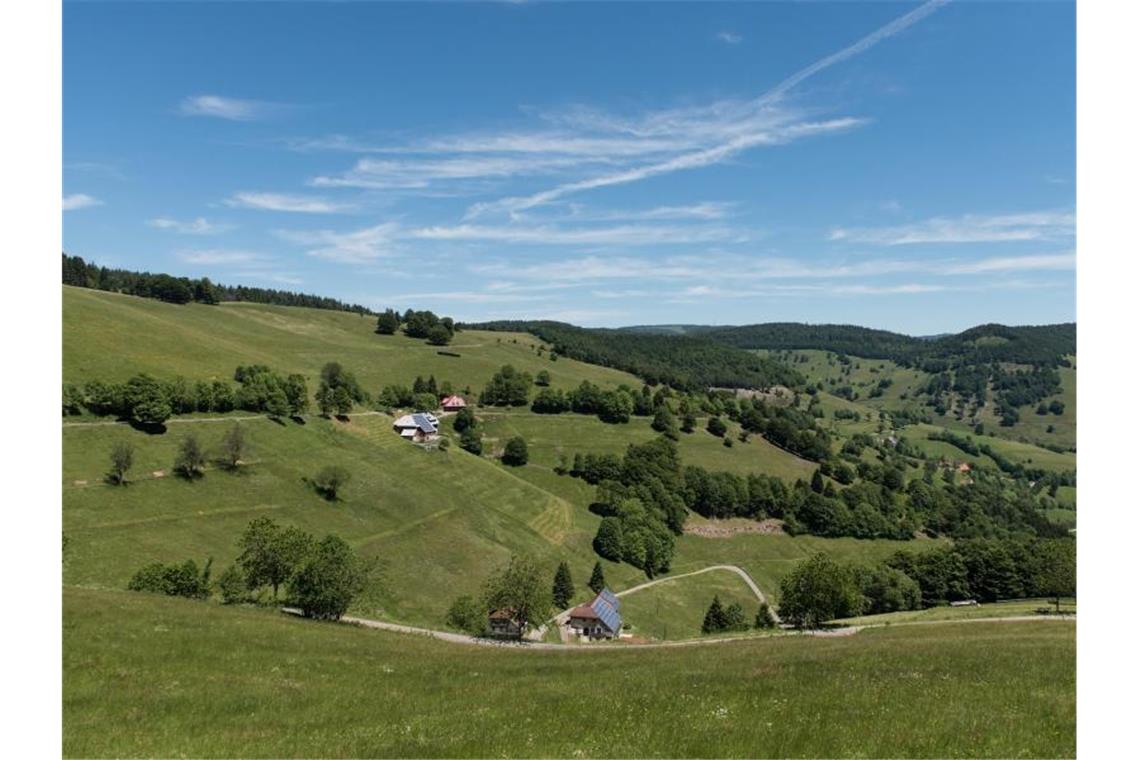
1042, 345
681, 361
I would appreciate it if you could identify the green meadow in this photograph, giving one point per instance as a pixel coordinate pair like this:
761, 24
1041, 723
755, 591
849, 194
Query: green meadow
110, 337
676, 608
152, 676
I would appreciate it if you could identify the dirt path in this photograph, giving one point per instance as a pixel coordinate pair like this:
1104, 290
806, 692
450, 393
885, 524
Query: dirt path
459, 638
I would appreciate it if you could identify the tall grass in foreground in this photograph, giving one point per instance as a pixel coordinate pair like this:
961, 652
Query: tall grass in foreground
153, 676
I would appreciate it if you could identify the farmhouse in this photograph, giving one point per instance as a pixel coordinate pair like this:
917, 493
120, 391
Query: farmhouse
453, 403
504, 623
421, 426
599, 619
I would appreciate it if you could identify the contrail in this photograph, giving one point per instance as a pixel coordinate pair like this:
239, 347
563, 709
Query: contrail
720, 152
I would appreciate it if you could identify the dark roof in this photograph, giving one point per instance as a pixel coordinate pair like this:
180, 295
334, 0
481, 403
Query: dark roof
423, 423
502, 615
583, 611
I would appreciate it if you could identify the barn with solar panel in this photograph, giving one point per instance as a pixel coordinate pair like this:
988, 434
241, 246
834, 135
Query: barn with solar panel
419, 427
600, 619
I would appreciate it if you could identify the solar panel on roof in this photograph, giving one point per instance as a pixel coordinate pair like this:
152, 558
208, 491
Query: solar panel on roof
609, 597
607, 614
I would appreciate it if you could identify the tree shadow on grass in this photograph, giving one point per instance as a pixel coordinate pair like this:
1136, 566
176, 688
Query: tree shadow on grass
298, 419
150, 428
324, 493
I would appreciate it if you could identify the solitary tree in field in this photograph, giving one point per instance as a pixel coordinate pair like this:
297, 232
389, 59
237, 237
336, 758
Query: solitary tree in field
597, 578
563, 590
234, 447
191, 460
122, 457
330, 480
716, 426
542, 378
515, 452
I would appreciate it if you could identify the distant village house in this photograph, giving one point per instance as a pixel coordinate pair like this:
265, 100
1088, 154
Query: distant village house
453, 403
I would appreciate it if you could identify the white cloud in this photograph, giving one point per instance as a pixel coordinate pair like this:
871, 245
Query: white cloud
628, 235
355, 247
78, 201
685, 161
1052, 261
739, 126
386, 174
197, 226
220, 256
303, 204
730, 38
971, 228
233, 109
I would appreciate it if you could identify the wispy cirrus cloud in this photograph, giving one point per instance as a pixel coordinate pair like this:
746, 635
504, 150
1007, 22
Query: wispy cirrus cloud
301, 204
623, 235
971, 228
353, 247
221, 256
77, 201
729, 38
231, 109
198, 226
742, 126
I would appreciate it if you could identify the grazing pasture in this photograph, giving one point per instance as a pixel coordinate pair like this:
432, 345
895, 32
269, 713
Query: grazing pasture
183, 678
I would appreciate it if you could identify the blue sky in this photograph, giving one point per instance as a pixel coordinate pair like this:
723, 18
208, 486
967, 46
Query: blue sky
895, 165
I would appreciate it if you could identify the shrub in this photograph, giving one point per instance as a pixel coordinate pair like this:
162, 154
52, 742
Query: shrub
330, 480
467, 614
716, 426
232, 586
515, 453
173, 580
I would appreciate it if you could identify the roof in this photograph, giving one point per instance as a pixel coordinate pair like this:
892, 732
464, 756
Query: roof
584, 611
503, 614
404, 422
423, 423
408, 433
606, 605
454, 401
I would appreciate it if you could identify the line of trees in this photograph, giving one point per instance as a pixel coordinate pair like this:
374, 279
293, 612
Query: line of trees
822, 588
149, 401
321, 577
181, 290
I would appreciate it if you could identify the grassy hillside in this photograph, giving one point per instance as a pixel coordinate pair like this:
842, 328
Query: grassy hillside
107, 336
178, 678
676, 608
441, 521
549, 436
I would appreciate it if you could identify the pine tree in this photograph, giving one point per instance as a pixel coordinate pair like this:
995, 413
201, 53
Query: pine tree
597, 578
563, 590
715, 618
